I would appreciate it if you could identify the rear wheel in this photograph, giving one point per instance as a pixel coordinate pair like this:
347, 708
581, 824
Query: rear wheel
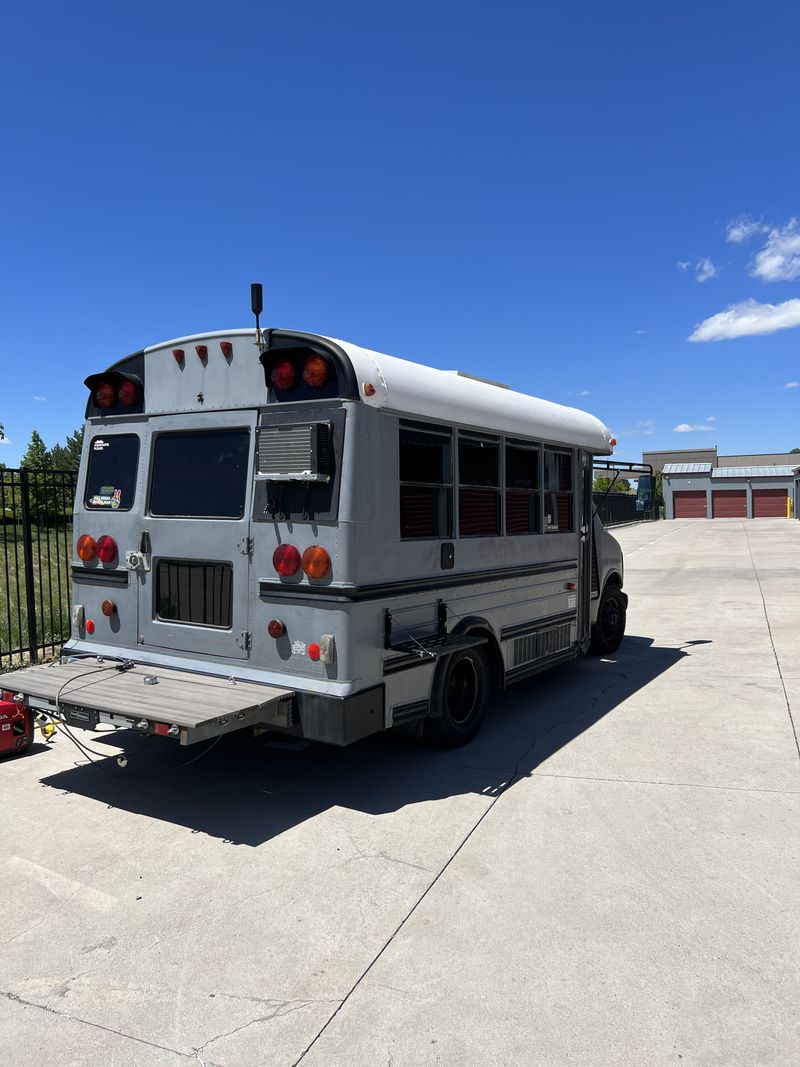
458, 701
608, 631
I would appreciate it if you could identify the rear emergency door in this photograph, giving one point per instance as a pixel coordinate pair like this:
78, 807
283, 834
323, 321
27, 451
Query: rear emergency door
195, 595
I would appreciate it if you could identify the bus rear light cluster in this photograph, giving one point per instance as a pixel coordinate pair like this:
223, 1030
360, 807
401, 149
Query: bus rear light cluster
315, 561
104, 548
107, 395
284, 373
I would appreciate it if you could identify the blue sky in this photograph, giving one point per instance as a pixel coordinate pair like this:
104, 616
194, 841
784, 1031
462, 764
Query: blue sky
540, 193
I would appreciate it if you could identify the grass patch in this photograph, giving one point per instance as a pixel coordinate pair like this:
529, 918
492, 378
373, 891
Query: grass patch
52, 560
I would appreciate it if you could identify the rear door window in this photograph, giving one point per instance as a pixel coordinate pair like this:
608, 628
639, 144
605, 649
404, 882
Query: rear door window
111, 473
200, 474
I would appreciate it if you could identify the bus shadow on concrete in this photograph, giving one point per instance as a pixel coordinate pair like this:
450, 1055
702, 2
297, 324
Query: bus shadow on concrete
244, 791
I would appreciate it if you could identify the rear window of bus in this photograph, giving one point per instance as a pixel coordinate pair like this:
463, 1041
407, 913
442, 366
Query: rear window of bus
200, 474
111, 472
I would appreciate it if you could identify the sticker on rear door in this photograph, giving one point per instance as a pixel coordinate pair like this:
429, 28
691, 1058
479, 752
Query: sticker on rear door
298, 648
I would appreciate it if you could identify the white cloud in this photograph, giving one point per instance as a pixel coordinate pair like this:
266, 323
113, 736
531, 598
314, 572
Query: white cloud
683, 264
792, 385
40, 398
779, 259
643, 427
711, 418
748, 319
705, 269
641, 331
5, 440
743, 228
584, 392
685, 427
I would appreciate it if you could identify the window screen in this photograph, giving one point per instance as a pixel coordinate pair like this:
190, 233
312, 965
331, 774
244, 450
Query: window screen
426, 480
478, 486
196, 593
111, 477
200, 473
558, 510
522, 488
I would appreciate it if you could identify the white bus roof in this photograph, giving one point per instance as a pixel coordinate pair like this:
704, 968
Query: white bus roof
413, 389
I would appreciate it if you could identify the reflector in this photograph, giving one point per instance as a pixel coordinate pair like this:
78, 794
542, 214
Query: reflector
202, 351
89, 626
313, 651
276, 629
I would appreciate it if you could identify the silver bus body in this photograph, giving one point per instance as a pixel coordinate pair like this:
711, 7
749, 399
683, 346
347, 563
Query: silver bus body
408, 478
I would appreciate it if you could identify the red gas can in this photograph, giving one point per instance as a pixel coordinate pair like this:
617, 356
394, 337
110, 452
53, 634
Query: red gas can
16, 728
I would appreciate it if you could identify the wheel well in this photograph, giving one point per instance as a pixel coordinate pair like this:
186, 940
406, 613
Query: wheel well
614, 579
480, 628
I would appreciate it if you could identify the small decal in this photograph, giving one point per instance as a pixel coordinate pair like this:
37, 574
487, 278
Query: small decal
298, 648
572, 601
99, 444
116, 498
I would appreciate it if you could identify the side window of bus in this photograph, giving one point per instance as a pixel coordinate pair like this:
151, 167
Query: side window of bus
200, 473
111, 473
558, 509
478, 486
522, 488
426, 482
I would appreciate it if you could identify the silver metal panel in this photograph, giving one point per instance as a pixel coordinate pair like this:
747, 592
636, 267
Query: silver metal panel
752, 472
686, 468
179, 697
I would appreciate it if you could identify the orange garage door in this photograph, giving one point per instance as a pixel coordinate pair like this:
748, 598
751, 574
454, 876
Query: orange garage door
729, 503
690, 504
769, 503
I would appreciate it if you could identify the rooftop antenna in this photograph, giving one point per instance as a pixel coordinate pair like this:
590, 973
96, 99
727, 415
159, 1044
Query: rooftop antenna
257, 304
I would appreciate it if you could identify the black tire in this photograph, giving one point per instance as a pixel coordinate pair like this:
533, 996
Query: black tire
458, 701
608, 631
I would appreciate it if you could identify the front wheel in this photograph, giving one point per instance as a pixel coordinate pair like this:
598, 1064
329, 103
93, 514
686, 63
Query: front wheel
458, 701
608, 631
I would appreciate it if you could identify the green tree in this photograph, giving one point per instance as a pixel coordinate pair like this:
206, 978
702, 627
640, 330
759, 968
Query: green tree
67, 457
621, 485
36, 456
791, 453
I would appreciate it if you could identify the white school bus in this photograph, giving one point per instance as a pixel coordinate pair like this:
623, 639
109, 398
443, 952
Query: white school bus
287, 532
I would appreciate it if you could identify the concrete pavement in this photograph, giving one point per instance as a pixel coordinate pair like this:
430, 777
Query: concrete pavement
607, 875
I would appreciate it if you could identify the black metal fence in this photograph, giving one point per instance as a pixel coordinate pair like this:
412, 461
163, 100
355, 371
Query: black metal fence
35, 558
616, 508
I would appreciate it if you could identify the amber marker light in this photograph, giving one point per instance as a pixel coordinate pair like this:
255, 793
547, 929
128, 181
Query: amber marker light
315, 371
316, 562
86, 548
108, 608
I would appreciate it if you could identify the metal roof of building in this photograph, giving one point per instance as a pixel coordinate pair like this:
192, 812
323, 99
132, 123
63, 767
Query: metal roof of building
686, 468
752, 472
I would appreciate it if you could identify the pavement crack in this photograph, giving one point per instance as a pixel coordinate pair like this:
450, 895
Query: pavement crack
279, 1009
15, 998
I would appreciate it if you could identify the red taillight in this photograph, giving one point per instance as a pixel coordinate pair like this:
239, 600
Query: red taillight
105, 395
86, 548
106, 549
315, 371
286, 560
89, 626
316, 562
314, 651
283, 375
128, 393
276, 629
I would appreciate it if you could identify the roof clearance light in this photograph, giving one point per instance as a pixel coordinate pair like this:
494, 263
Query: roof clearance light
105, 395
315, 372
613, 441
106, 548
178, 353
128, 393
286, 560
202, 352
86, 548
227, 349
283, 375
369, 389
316, 562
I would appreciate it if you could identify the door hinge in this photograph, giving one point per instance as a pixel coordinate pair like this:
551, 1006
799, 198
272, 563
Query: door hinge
245, 640
246, 546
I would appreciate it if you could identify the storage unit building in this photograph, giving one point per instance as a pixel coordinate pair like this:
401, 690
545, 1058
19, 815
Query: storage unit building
702, 491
